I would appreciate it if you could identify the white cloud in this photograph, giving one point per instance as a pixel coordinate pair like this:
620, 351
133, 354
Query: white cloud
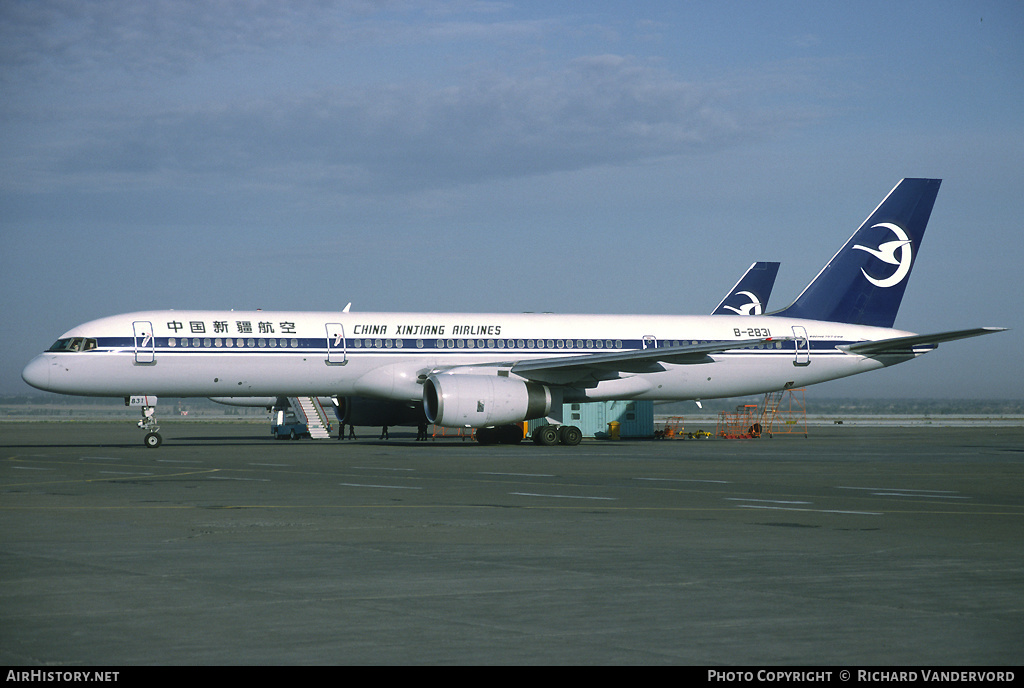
605, 110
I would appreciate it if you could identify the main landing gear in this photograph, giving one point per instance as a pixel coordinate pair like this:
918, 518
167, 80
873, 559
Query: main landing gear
149, 424
550, 435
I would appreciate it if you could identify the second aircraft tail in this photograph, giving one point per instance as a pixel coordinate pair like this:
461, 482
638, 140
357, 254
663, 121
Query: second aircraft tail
751, 293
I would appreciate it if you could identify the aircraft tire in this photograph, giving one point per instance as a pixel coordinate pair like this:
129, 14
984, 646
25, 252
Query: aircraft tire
546, 435
153, 440
570, 435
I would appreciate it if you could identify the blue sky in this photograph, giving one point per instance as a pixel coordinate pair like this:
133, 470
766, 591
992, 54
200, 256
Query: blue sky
601, 157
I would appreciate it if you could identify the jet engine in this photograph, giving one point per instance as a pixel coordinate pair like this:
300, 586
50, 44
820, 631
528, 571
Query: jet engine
368, 411
457, 400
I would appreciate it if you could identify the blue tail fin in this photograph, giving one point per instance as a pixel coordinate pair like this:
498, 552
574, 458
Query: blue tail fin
750, 295
864, 282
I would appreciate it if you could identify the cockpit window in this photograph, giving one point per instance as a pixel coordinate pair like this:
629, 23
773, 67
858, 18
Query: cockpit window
73, 344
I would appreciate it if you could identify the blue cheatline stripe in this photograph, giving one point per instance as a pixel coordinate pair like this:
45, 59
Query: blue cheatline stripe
407, 346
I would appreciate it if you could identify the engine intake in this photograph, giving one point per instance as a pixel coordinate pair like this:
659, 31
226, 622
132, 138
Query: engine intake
457, 400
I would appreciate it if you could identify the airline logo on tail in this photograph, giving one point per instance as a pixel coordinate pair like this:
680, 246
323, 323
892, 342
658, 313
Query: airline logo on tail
753, 308
887, 253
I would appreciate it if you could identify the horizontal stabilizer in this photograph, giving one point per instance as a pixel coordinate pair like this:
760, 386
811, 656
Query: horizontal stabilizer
901, 345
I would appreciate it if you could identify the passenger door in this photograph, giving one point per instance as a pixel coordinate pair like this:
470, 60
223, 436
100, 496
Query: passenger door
336, 352
145, 342
803, 346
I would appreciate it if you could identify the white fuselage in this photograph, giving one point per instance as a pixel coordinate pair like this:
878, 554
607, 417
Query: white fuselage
388, 355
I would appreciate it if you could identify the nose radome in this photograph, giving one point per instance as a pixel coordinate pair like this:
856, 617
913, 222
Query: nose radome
37, 372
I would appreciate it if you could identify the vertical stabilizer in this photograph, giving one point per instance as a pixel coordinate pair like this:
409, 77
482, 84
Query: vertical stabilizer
751, 293
864, 282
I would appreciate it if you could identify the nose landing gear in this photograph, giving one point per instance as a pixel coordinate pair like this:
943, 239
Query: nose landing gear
148, 423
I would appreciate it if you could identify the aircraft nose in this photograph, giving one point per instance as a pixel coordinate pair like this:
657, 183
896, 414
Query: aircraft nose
37, 372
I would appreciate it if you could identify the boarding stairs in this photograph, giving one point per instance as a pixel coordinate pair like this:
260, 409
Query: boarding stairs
316, 420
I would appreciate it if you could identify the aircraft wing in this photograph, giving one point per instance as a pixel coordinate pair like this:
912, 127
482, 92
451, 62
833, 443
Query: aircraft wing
904, 345
566, 369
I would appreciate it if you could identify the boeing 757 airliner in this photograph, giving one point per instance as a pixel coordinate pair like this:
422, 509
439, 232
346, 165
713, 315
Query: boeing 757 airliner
491, 371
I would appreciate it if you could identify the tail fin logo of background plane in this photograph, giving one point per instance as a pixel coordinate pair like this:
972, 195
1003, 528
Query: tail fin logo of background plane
887, 253
753, 308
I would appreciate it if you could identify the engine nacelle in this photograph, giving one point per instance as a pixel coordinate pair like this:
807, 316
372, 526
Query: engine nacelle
457, 400
378, 412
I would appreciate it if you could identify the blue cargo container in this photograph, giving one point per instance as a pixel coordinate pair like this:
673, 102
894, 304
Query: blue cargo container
635, 418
